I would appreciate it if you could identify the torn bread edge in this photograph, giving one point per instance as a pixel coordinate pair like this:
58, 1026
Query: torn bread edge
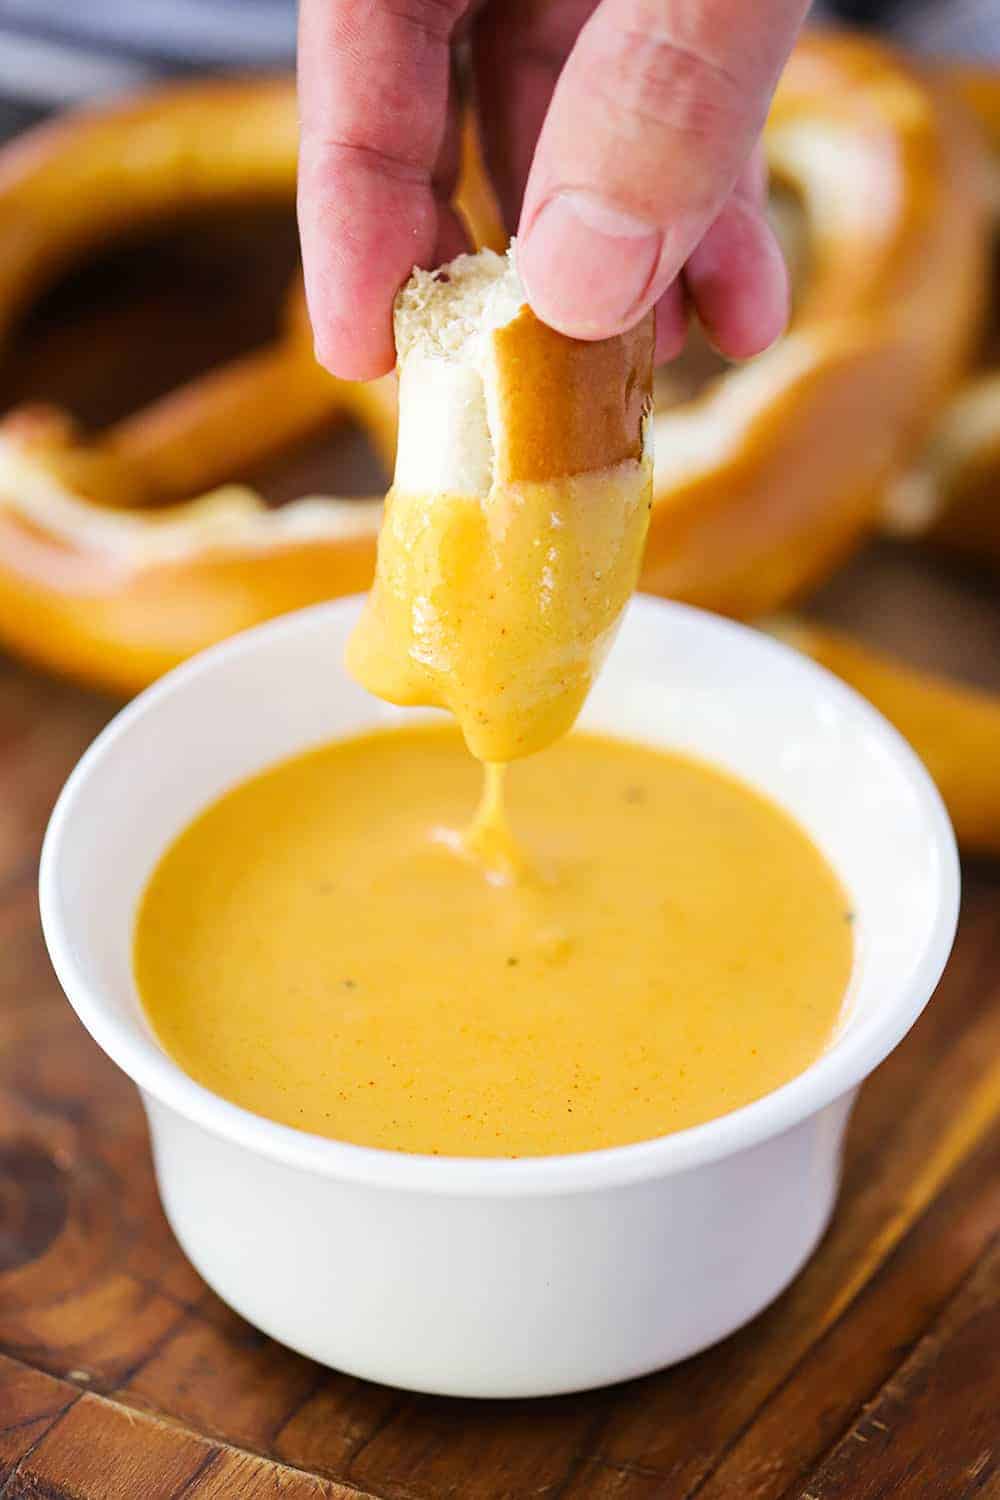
489, 395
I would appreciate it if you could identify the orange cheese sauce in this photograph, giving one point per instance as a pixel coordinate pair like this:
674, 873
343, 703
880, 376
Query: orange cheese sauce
324, 947
502, 611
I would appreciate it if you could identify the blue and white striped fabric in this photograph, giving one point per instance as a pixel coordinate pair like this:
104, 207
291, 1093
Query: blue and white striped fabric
968, 29
56, 52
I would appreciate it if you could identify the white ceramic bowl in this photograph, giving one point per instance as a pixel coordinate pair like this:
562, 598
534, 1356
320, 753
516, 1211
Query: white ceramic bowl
505, 1278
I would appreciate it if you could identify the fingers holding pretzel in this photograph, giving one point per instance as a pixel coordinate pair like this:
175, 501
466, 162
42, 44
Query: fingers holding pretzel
619, 132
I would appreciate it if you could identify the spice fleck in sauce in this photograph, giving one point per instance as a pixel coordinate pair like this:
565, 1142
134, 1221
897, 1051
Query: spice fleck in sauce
324, 947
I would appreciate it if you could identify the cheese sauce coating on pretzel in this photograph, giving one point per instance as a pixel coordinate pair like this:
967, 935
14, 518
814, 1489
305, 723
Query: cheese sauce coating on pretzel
516, 522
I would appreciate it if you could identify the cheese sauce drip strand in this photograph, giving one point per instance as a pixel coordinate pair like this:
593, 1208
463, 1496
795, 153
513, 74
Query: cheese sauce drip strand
490, 837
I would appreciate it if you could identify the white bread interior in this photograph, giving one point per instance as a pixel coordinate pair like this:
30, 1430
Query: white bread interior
443, 324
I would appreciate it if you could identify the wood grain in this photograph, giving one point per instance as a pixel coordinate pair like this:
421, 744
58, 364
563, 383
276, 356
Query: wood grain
59, 1443
933, 1428
122, 1376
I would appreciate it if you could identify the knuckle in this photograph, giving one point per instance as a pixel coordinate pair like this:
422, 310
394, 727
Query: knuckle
648, 80
341, 158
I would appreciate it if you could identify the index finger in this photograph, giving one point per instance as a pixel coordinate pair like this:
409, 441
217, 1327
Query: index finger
373, 100
653, 118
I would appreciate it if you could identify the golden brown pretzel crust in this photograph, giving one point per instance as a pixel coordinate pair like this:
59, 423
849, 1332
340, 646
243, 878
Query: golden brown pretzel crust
600, 396
83, 616
761, 484
952, 494
955, 729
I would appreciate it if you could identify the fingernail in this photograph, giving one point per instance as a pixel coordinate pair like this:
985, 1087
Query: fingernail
588, 267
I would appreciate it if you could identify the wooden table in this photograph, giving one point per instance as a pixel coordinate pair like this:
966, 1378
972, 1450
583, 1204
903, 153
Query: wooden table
877, 1374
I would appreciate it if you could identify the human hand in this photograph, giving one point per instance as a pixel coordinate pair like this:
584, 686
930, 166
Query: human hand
621, 137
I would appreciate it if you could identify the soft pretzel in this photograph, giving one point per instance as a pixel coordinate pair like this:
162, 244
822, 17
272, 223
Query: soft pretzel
952, 493
768, 478
954, 729
760, 483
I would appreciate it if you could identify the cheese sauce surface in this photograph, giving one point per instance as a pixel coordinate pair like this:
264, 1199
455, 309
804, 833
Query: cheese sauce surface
326, 946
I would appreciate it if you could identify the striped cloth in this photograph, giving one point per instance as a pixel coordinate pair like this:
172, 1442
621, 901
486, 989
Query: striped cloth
57, 52
967, 29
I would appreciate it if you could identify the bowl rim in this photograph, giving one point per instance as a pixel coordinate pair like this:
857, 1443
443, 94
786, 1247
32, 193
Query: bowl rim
835, 1073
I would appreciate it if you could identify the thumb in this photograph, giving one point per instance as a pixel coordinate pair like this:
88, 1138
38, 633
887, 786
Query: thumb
653, 118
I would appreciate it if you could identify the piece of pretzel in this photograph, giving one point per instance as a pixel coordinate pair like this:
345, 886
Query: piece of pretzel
761, 482
955, 729
952, 494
